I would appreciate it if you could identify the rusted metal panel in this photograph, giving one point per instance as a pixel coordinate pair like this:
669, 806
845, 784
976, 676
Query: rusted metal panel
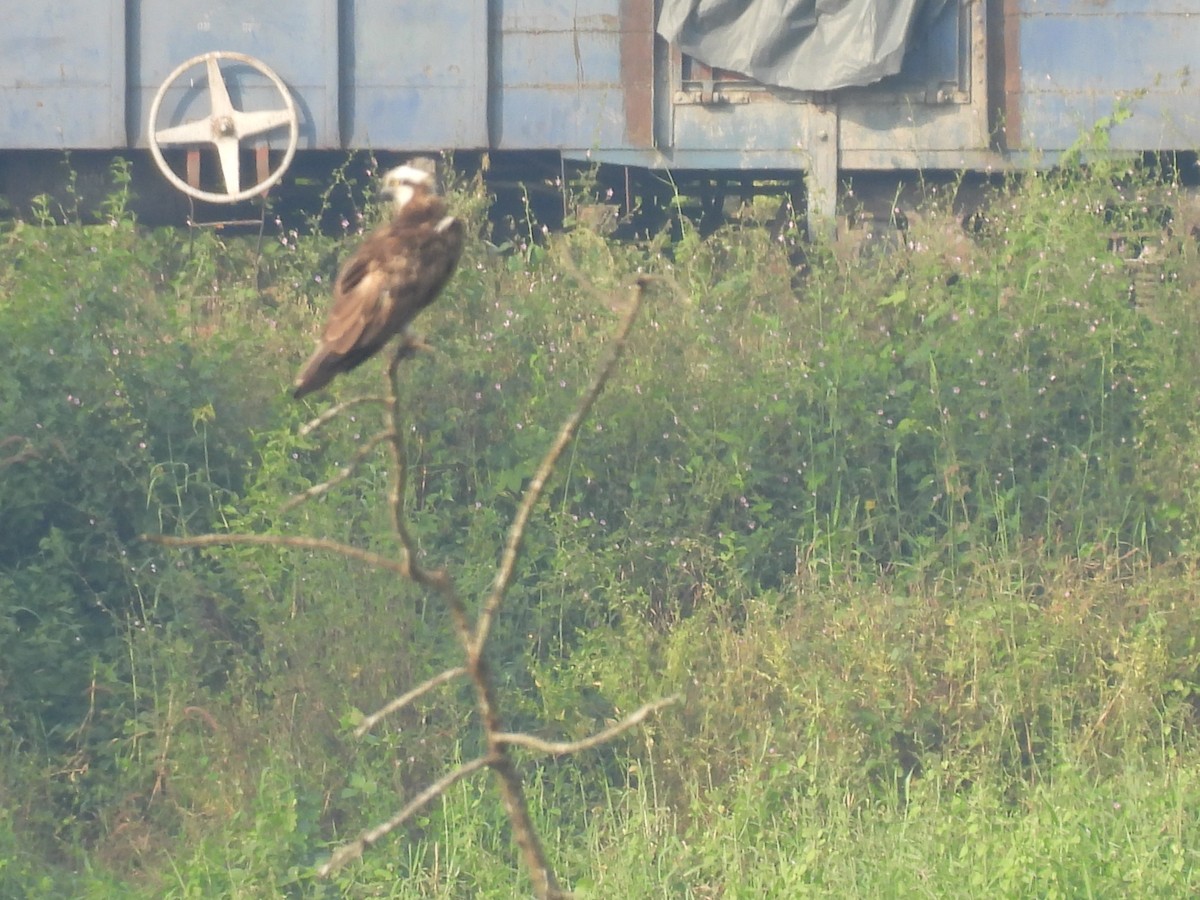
62, 74
637, 70
1004, 73
299, 41
415, 74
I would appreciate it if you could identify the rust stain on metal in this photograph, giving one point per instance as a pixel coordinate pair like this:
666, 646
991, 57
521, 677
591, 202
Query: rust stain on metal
192, 168
1010, 40
637, 70
262, 163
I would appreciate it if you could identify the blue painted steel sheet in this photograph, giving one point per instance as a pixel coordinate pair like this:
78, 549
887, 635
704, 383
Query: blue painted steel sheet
415, 74
574, 75
298, 40
1079, 58
572, 99
62, 74
579, 76
749, 128
937, 54
1081, 8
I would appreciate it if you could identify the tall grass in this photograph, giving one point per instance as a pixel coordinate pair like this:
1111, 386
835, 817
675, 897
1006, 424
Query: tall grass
912, 531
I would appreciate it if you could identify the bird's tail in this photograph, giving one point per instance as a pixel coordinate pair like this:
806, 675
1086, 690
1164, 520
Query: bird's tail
317, 372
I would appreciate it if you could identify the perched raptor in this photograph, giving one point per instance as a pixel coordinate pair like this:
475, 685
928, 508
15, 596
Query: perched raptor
396, 272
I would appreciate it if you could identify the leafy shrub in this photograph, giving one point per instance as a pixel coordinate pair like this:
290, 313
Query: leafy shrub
113, 424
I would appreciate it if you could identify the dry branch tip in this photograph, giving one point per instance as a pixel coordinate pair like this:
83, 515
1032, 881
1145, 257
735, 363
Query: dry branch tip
562, 748
336, 410
406, 698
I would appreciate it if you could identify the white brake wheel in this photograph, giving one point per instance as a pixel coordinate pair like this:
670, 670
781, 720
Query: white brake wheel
225, 128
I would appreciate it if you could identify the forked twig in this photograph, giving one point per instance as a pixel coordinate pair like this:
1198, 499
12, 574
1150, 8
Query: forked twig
508, 780
472, 637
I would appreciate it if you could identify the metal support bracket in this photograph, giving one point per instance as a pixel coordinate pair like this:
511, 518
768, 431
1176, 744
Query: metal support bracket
821, 179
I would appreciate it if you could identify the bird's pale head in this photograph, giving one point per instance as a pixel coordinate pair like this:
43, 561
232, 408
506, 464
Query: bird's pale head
402, 183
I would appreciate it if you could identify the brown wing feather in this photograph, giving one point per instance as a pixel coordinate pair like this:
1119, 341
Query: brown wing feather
397, 271
356, 315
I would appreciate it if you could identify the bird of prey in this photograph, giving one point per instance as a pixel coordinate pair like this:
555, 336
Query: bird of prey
397, 271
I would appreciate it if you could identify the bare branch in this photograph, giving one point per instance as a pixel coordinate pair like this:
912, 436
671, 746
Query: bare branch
336, 410
345, 472
439, 581
472, 636
512, 793
355, 848
516, 532
399, 451
561, 748
545, 884
404, 699
508, 779
280, 540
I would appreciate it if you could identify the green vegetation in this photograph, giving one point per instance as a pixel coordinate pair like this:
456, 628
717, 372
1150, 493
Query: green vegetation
913, 531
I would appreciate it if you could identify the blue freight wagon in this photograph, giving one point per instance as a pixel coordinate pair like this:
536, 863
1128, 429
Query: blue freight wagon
678, 85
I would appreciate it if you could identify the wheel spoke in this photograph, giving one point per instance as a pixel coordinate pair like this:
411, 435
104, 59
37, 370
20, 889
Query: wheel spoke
218, 92
196, 132
252, 123
227, 150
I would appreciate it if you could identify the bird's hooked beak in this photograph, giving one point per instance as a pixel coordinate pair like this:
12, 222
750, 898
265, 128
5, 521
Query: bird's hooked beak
397, 194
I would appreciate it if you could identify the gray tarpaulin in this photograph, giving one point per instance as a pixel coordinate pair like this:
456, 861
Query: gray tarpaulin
809, 45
